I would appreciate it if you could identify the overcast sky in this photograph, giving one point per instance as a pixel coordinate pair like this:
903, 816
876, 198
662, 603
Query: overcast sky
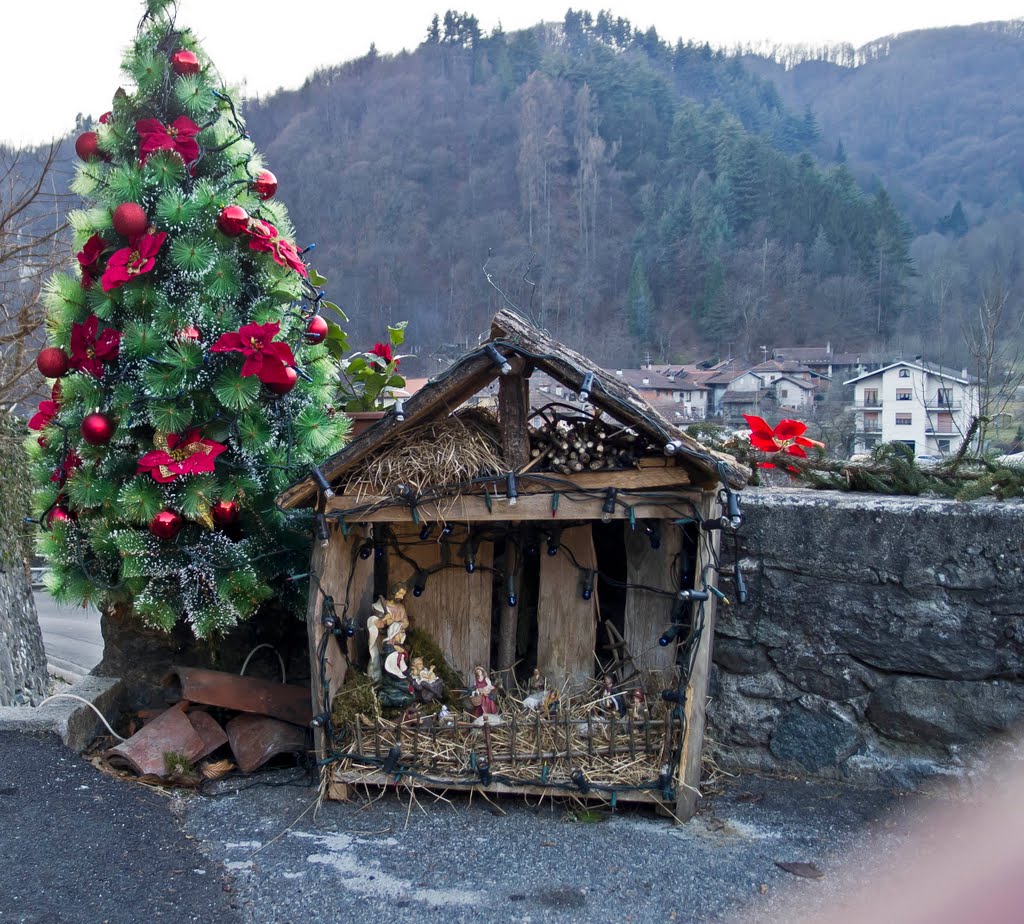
61, 56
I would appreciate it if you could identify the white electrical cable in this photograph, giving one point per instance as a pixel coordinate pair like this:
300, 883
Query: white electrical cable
280, 660
87, 703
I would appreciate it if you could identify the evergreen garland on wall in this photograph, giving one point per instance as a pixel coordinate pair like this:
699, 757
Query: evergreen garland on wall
192, 383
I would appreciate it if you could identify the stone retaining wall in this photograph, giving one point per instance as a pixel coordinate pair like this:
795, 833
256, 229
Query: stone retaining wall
882, 641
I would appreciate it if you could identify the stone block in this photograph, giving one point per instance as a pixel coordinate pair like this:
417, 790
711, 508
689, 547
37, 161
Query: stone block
945, 712
814, 741
70, 720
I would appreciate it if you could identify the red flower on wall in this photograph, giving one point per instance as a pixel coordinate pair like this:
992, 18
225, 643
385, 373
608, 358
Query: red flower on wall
265, 358
264, 237
134, 260
89, 351
89, 258
179, 454
179, 136
787, 436
383, 350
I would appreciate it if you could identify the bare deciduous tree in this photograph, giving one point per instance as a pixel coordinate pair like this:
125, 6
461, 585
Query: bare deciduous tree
993, 339
31, 247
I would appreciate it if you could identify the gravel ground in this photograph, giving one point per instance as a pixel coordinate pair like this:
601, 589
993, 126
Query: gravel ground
507, 861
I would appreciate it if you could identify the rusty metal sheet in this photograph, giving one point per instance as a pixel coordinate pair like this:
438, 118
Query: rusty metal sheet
256, 738
209, 730
170, 732
243, 694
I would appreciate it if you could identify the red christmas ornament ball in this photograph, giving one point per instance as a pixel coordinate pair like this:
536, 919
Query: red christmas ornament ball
52, 362
225, 513
265, 184
166, 524
282, 388
58, 515
130, 219
184, 62
188, 333
316, 329
233, 220
97, 429
87, 146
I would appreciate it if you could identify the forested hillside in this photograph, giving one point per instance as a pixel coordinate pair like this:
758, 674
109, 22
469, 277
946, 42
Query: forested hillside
637, 196
938, 117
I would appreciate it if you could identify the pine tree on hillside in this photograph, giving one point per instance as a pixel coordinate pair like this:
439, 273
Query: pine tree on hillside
194, 370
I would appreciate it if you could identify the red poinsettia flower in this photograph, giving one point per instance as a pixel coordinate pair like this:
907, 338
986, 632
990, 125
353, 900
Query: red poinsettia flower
179, 136
179, 454
264, 358
129, 262
89, 351
265, 238
383, 350
89, 258
41, 418
66, 469
787, 436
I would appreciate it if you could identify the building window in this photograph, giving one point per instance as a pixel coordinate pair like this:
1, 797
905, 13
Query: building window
904, 373
943, 445
945, 397
784, 393
904, 420
904, 394
871, 396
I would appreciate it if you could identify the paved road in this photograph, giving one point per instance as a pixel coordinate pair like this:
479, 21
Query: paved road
79, 847
71, 635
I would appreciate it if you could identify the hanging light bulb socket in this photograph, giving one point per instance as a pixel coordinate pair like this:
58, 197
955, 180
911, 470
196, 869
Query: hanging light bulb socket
608, 507
498, 359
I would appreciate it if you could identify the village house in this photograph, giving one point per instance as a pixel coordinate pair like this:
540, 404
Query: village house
928, 407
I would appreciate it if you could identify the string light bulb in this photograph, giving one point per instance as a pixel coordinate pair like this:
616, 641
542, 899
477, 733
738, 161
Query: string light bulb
419, 583
498, 359
608, 508
425, 532
588, 584
511, 492
510, 590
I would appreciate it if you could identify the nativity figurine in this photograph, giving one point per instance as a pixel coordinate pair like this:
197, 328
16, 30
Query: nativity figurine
482, 698
426, 685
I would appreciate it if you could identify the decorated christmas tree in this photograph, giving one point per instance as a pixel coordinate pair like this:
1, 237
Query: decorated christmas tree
194, 371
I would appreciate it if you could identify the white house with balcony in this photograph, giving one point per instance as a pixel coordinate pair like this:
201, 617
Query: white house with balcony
926, 406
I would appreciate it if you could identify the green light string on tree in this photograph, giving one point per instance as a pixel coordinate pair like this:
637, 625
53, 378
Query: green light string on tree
195, 370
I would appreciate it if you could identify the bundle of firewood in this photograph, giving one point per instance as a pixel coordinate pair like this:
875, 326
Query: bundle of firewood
580, 444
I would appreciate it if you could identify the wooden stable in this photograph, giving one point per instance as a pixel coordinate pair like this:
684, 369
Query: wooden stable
598, 522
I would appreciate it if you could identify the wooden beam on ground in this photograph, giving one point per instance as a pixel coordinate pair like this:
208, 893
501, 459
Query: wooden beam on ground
566, 623
688, 780
648, 615
473, 508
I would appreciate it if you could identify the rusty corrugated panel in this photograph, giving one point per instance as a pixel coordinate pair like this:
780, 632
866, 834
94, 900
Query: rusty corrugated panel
243, 694
209, 730
169, 733
256, 738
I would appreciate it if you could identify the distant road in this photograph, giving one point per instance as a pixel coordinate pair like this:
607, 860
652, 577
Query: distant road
71, 635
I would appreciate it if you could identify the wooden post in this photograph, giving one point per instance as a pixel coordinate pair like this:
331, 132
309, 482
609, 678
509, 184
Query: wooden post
508, 624
688, 780
566, 623
648, 615
514, 415
332, 565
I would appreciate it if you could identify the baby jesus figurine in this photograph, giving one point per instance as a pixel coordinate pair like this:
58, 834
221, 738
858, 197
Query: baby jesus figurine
426, 685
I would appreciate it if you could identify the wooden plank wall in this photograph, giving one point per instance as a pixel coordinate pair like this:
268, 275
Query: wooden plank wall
566, 623
688, 789
648, 615
332, 565
455, 608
